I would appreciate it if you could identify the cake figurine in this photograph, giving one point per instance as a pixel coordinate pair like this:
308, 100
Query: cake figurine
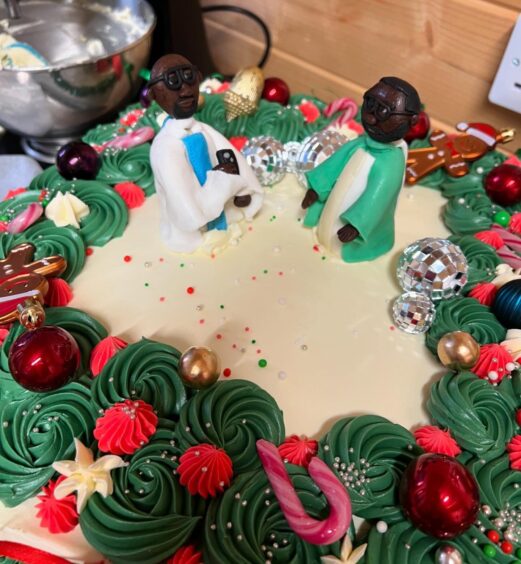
352, 196
204, 186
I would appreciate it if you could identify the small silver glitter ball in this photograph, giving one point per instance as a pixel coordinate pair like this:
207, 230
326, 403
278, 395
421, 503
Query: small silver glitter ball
266, 157
448, 554
316, 149
435, 267
413, 312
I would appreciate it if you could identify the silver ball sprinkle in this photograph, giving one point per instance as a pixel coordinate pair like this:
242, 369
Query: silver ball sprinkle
413, 312
448, 554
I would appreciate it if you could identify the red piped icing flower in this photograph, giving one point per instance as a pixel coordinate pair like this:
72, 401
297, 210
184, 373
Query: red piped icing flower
490, 238
4, 331
4, 226
238, 141
56, 515
186, 555
205, 470
309, 110
298, 450
436, 440
484, 292
103, 352
132, 194
59, 293
514, 452
494, 363
14, 192
132, 117
515, 223
125, 427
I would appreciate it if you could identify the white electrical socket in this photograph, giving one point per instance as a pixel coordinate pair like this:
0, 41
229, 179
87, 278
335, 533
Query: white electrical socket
506, 89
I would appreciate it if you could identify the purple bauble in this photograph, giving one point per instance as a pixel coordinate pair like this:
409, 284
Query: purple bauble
78, 160
144, 98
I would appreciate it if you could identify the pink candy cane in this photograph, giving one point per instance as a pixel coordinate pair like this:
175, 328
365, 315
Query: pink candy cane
510, 239
131, 139
509, 257
347, 105
25, 219
308, 529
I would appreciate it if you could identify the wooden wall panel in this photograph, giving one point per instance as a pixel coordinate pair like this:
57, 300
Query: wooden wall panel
449, 49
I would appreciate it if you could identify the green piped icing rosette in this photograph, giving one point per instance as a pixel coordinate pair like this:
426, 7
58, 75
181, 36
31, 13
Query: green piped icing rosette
146, 370
259, 532
481, 259
150, 515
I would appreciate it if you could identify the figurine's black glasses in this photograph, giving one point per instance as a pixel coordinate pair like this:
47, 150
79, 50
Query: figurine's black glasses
381, 110
175, 76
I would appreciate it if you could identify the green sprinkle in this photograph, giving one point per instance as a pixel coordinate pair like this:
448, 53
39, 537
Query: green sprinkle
147, 284
323, 258
263, 363
502, 218
221, 306
182, 265
489, 551
265, 271
253, 341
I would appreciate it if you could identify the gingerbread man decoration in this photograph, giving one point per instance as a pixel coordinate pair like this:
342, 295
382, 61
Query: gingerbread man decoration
21, 279
454, 152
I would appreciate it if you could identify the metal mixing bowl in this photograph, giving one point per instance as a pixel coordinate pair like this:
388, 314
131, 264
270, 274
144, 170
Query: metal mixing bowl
93, 66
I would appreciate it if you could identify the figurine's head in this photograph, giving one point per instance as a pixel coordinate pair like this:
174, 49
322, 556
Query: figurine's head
391, 107
174, 85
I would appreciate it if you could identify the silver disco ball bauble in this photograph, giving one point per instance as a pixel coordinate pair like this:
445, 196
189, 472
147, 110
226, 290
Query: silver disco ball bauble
435, 267
413, 312
266, 157
448, 554
316, 149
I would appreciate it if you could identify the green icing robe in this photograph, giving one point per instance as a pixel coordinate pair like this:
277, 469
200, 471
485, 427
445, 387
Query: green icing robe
372, 213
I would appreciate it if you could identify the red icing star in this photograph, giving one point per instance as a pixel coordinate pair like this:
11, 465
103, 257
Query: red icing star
205, 470
436, 440
125, 427
59, 293
484, 292
56, 515
103, 352
515, 223
514, 452
494, 363
186, 555
132, 117
310, 111
132, 194
490, 238
297, 450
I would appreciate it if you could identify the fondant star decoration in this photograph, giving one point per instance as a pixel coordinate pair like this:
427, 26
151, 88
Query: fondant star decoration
85, 475
347, 554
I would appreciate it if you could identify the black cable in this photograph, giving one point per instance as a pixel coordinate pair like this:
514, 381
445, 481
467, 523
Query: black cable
252, 16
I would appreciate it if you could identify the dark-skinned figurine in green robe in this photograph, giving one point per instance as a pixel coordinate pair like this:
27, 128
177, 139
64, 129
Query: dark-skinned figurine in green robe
352, 196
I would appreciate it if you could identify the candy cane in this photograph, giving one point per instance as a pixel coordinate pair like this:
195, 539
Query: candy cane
347, 105
509, 257
131, 139
512, 241
28, 555
25, 219
308, 529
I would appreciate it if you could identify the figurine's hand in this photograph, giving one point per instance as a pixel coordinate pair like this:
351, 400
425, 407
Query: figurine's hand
229, 168
242, 201
310, 198
347, 233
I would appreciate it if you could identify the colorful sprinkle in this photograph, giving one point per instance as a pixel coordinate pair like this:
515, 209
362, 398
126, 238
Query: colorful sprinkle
263, 363
190, 290
162, 299
89, 251
506, 547
265, 271
489, 551
221, 306
247, 329
127, 258
502, 218
201, 321
258, 351
161, 259
227, 372
218, 336
493, 536
147, 284
254, 278
316, 248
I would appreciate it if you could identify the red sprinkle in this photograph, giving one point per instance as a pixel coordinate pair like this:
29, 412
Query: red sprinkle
506, 547
391, 327
161, 259
234, 346
258, 351
89, 251
190, 290
162, 299
218, 336
250, 228
281, 273
127, 258
316, 248
254, 278
227, 372
201, 321
493, 535
247, 329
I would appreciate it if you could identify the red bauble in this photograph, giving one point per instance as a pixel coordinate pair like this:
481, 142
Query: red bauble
276, 90
44, 359
439, 495
503, 185
420, 129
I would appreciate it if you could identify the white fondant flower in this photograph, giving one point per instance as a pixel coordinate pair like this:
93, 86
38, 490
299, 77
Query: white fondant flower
347, 554
505, 274
66, 209
512, 343
85, 475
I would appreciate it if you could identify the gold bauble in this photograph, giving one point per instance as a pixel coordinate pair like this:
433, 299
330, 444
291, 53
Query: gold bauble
242, 98
199, 367
31, 314
458, 350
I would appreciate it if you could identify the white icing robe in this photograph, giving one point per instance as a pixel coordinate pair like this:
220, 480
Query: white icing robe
186, 206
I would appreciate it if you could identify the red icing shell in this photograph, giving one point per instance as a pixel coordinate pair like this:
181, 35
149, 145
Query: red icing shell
205, 470
436, 440
494, 363
59, 293
515, 223
132, 194
4, 331
103, 352
56, 515
132, 117
4, 226
14, 192
514, 452
238, 141
490, 238
310, 111
125, 427
186, 555
484, 292
298, 450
